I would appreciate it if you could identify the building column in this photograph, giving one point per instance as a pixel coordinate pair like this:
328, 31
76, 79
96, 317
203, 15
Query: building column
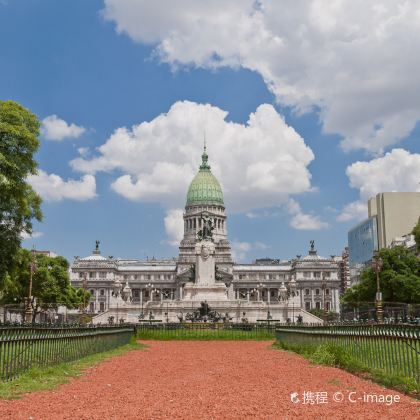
247, 295
180, 291
141, 296
268, 295
161, 295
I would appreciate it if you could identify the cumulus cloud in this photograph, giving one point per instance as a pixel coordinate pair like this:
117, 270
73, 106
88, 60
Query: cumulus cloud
353, 61
304, 221
396, 171
52, 187
264, 159
55, 128
241, 249
174, 226
33, 235
357, 210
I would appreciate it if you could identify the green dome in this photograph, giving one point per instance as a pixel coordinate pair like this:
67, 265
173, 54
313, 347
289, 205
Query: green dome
204, 188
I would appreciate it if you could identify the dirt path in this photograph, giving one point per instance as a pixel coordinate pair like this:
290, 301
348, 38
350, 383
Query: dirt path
209, 380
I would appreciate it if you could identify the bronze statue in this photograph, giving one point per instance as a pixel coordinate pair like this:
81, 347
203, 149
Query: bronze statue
206, 232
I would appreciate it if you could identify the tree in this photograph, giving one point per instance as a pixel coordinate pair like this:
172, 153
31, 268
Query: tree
50, 283
399, 279
19, 204
416, 233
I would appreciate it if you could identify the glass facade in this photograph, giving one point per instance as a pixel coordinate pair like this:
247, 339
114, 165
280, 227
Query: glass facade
363, 241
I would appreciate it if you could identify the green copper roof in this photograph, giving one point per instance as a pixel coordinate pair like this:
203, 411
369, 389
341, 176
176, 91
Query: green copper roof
204, 188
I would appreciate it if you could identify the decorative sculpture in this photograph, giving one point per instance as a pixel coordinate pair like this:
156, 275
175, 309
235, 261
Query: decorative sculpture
206, 232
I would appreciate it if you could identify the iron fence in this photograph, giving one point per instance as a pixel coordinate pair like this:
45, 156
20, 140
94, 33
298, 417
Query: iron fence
393, 349
25, 346
206, 331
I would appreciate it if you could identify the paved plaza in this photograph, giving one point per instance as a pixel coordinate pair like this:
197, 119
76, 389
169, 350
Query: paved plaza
211, 380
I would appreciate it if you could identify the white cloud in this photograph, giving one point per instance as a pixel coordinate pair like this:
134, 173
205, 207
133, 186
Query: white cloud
398, 170
304, 221
33, 235
241, 249
55, 128
265, 159
354, 61
52, 187
357, 210
174, 226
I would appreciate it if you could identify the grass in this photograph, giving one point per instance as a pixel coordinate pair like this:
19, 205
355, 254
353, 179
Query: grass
204, 334
335, 355
47, 378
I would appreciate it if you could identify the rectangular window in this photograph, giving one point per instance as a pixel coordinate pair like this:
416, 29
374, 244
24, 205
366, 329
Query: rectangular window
327, 306
102, 292
92, 275
318, 305
327, 291
102, 274
307, 292
327, 274
306, 274
317, 291
102, 306
92, 307
317, 274
307, 306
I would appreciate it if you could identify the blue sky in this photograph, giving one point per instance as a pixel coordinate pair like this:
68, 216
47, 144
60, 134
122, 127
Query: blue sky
106, 65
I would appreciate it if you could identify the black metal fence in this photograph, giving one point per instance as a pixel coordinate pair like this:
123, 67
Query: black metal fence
24, 347
205, 331
393, 349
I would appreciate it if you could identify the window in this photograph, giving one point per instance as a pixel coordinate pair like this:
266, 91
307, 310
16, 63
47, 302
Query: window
102, 306
327, 291
136, 276
81, 275
272, 293
92, 275
306, 274
317, 274
327, 306
307, 292
318, 305
242, 276
102, 274
92, 307
102, 292
307, 306
92, 292
317, 291
327, 274
136, 293
125, 277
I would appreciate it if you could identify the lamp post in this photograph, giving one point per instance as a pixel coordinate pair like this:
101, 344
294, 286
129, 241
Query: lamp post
377, 265
32, 268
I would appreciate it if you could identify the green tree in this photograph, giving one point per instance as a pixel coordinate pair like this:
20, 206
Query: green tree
19, 204
50, 283
399, 279
416, 233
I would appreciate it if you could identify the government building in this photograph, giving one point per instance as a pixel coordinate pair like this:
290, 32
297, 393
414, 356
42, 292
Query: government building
204, 271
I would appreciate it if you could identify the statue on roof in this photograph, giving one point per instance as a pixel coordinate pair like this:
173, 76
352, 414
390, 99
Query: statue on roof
97, 245
312, 242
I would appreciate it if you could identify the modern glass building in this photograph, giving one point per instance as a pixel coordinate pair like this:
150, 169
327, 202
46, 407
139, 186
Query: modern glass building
363, 241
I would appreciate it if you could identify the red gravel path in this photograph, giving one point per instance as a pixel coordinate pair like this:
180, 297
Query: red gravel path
207, 380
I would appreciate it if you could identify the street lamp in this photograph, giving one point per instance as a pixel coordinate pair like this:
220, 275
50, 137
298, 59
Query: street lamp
32, 268
377, 265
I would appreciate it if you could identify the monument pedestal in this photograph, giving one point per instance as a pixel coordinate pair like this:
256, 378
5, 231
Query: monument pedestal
205, 287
